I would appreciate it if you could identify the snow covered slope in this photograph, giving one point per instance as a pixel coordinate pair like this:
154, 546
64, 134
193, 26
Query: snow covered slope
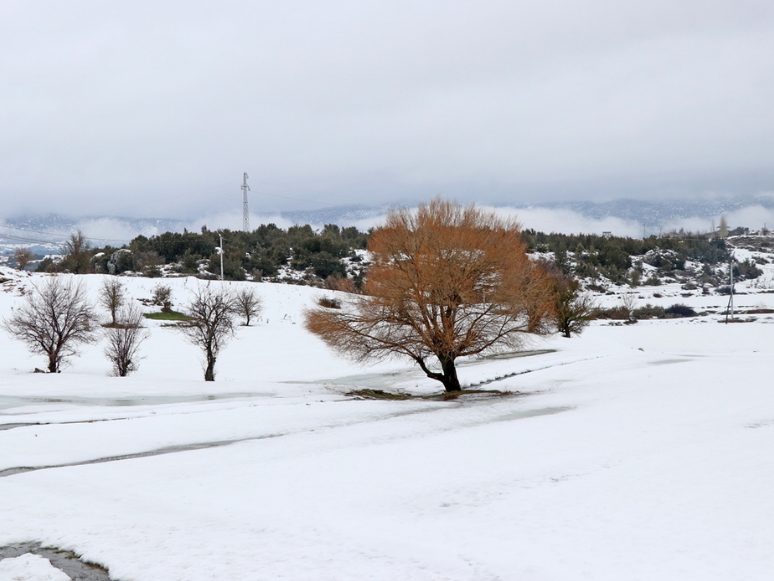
635, 452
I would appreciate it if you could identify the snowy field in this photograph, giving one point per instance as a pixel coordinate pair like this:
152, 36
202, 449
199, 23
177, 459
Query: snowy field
639, 452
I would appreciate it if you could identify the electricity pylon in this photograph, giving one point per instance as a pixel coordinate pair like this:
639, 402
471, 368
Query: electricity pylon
245, 211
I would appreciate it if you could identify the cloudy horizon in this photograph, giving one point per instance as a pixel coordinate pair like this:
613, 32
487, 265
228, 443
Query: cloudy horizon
116, 231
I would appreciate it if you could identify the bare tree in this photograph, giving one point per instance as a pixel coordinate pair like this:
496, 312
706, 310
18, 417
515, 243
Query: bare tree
124, 339
447, 281
112, 296
54, 320
574, 308
77, 253
628, 302
23, 256
162, 297
211, 323
247, 304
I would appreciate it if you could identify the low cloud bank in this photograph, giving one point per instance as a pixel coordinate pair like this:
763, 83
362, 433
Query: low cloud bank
115, 231
570, 222
233, 221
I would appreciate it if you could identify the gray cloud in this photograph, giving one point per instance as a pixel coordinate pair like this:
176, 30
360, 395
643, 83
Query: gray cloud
155, 108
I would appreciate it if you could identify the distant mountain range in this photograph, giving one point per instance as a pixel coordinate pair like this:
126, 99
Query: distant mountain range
342, 215
654, 214
45, 233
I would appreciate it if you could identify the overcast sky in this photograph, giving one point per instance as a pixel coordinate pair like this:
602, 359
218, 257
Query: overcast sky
156, 108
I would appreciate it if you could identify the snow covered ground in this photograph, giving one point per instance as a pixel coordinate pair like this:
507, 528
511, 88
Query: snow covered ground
635, 452
30, 567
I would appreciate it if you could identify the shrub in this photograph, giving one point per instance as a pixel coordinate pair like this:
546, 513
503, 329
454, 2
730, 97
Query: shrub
679, 310
329, 303
649, 312
338, 283
162, 297
616, 313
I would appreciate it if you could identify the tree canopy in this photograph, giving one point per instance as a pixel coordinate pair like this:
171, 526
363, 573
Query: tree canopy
446, 281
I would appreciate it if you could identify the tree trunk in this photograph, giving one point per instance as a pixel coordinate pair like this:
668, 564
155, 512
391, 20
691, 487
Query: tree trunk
449, 375
52, 363
450, 380
209, 373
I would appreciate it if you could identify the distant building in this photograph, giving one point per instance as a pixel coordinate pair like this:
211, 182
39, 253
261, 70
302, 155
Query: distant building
607, 234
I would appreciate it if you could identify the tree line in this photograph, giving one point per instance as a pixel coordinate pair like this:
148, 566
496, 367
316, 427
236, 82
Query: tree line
246, 255
330, 256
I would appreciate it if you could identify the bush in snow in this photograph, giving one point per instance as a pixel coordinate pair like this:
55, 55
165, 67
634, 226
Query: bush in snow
162, 297
679, 311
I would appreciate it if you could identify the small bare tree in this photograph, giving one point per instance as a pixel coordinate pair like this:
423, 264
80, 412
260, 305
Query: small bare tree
77, 253
23, 256
55, 318
162, 297
628, 304
211, 323
248, 304
112, 296
574, 308
124, 339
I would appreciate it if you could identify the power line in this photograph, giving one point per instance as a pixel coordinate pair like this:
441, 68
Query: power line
23, 239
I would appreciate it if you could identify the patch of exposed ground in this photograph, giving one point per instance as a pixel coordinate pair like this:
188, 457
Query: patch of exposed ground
66, 561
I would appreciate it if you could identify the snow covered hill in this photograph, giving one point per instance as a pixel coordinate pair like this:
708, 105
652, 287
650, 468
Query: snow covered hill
633, 452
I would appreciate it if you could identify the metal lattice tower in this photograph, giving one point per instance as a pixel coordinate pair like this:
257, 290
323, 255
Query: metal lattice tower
245, 211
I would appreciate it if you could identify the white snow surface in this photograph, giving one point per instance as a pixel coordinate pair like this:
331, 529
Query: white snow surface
639, 452
30, 567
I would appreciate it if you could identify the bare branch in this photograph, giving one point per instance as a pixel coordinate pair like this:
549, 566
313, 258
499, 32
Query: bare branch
78, 253
54, 320
124, 339
23, 256
112, 296
447, 281
211, 323
247, 304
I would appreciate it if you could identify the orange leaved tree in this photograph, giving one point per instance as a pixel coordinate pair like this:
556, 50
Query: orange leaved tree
447, 281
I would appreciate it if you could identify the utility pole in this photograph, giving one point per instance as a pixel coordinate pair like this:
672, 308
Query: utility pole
245, 211
221, 256
731, 284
